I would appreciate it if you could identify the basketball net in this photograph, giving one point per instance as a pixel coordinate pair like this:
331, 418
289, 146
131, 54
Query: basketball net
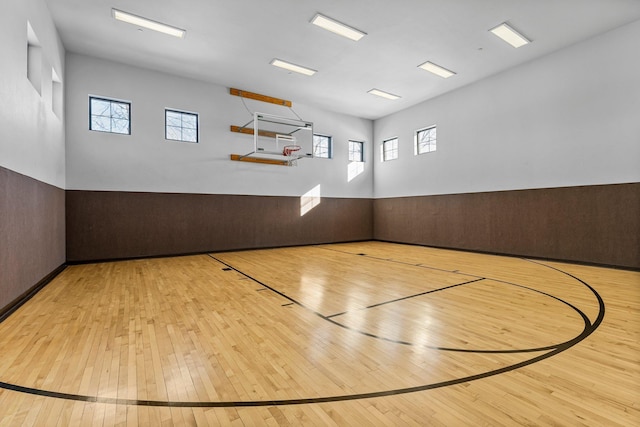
291, 152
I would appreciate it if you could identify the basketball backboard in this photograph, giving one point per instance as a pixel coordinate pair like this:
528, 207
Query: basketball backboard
281, 138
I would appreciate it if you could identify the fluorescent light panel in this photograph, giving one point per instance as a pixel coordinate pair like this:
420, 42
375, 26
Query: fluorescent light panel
293, 67
337, 27
147, 23
437, 70
383, 94
511, 36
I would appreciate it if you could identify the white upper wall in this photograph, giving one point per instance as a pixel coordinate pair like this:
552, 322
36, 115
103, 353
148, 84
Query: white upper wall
145, 161
31, 135
568, 119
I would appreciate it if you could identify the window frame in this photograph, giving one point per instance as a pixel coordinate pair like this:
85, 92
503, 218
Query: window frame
396, 149
418, 144
329, 146
110, 101
351, 152
182, 113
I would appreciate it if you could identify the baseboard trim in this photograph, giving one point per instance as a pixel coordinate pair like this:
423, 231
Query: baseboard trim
26, 296
213, 251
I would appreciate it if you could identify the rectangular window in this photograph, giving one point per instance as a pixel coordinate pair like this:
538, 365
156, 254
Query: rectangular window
181, 126
57, 99
356, 153
390, 149
322, 146
108, 115
34, 59
426, 140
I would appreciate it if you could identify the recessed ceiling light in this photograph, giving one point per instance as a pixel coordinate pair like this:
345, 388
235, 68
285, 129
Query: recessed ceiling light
436, 69
383, 94
293, 67
511, 36
337, 27
147, 23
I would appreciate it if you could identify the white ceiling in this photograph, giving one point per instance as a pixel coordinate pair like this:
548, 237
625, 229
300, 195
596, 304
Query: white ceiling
231, 42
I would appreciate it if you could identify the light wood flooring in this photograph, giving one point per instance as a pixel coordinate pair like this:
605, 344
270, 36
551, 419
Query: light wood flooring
352, 334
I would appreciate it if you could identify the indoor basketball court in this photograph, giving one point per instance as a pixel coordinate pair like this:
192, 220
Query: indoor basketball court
308, 213
335, 334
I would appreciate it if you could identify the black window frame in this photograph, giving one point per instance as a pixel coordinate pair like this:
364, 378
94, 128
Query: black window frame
352, 152
419, 144
111, 101
182, 113
329, 146
396, 150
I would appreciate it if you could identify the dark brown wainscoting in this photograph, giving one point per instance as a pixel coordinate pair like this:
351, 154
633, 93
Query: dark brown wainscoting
591, 224
32, 234
104, 225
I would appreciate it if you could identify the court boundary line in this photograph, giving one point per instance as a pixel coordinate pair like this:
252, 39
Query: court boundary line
588, 329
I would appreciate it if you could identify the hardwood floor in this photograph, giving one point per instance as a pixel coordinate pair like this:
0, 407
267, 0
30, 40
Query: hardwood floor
348, 334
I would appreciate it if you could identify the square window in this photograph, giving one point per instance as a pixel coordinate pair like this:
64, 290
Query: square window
322, 146
108, 115
426, 140
390, 149
181, 126
356, 152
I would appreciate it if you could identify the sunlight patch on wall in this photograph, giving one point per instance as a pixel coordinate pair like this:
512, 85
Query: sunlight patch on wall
310, 200
354, 169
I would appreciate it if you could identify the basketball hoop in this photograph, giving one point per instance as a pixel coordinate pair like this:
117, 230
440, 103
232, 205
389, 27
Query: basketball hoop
290, 151
287, 140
